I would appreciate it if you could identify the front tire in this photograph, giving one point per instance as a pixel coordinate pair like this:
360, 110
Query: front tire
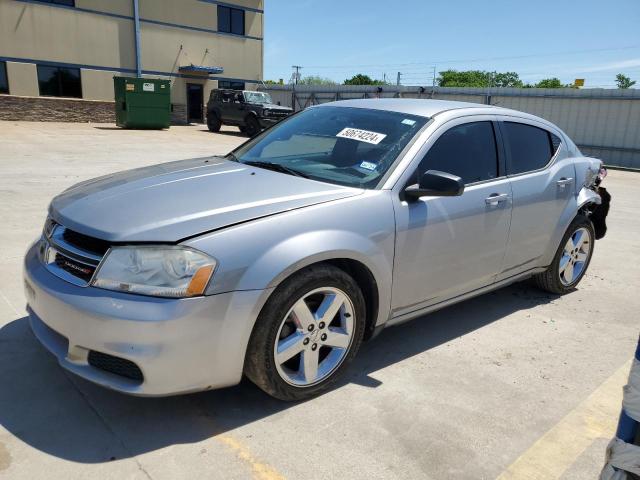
252, 127
571, 259
306, 334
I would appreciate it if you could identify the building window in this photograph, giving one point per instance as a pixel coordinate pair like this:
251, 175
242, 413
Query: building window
67, 3
4, 82
59, 81
230, 20
230, 85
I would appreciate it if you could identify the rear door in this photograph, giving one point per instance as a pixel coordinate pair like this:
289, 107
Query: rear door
543, 182
226, 105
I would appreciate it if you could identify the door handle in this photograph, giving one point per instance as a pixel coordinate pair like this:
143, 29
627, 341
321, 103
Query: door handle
564, 181
495, 198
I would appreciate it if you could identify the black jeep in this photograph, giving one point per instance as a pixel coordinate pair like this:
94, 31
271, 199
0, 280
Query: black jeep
250, 111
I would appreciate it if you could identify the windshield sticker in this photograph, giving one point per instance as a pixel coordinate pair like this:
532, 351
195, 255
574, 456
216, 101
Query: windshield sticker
368, 166
361, 135
409, 122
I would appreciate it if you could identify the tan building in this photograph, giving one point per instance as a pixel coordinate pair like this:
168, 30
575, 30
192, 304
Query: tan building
58, 57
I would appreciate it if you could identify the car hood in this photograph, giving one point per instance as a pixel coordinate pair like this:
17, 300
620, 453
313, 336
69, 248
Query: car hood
173, 201
273, 106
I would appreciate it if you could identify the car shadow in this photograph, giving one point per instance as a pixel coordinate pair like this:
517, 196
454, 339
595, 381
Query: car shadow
46, 407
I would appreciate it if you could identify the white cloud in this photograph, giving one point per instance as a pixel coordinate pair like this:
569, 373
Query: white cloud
632, 62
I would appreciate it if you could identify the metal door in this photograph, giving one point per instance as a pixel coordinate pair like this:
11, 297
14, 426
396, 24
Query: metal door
195, 102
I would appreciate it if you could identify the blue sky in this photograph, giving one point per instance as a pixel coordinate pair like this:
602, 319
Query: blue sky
568, 39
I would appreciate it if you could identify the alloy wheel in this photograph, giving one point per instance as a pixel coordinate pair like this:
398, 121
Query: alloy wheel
575, 256
314, 337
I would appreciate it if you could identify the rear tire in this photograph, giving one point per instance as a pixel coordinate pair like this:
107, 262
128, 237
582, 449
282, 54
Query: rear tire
306, 334
213, 122
571, 260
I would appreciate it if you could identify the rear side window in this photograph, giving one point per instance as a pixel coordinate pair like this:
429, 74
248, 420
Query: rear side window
530, 148
467, 150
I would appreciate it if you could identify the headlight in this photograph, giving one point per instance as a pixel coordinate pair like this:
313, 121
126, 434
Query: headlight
49, 225
159, 271
266, 112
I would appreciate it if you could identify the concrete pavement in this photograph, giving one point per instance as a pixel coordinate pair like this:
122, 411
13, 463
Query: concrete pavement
467, 392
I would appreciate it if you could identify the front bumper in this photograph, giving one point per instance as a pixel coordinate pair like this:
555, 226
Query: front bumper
180, 345
267, 122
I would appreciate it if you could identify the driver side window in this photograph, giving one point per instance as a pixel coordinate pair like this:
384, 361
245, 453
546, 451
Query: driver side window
467, 150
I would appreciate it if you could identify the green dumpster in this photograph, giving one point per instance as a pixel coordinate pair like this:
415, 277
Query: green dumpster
142, 102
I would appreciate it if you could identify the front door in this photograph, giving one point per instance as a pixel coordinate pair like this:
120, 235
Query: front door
195, 102
447, 246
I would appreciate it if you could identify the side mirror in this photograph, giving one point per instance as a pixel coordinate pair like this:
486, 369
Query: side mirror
435, 184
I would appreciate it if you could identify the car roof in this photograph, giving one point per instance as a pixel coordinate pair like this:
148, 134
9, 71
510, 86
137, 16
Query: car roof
411, 106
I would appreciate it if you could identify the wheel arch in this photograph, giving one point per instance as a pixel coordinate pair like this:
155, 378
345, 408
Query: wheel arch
250, 114
574, 208
368, 285
356, 268
587, 197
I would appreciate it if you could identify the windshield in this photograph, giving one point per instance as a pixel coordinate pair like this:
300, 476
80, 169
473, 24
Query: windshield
347, 146
257, 97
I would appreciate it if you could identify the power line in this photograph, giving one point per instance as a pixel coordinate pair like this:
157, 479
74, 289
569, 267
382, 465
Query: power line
469, 60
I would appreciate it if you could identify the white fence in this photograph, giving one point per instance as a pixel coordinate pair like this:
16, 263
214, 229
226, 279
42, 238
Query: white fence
605, 123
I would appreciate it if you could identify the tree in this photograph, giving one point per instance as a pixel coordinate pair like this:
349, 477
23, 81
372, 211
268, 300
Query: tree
549, 83
361, 79
466, 78
624, 82
316, 80
506, 79
478, 79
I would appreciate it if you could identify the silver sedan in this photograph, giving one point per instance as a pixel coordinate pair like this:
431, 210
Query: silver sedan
278, 260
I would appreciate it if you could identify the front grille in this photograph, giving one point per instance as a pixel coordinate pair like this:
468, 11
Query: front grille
75, 268
85, 242
116, 365
275, 114
72, 256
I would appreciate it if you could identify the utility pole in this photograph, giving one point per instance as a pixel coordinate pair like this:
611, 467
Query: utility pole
136, 32
296, 75
398, 79
296, 78
433, 85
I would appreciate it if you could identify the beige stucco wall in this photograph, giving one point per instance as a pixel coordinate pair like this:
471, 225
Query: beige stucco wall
161, 51
253, 24
118, 7
46, 33
199, 14
97, 84
42, 32
23, 79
